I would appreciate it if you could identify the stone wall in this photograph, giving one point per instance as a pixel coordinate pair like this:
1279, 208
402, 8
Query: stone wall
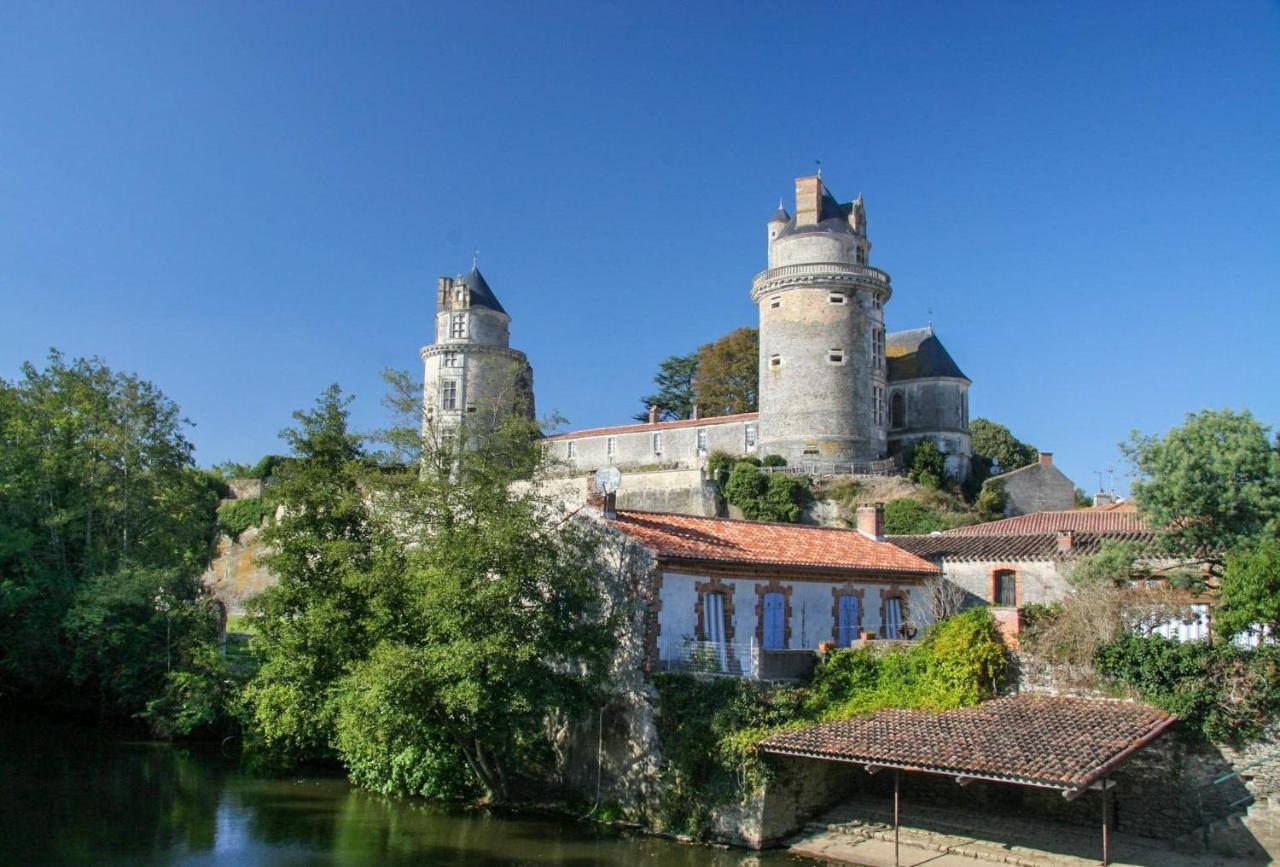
683, 491
636, 447
235, 575
1041, 487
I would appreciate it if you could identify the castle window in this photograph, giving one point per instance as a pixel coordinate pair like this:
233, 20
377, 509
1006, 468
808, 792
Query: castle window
898, 411
458, 325
450, 359
877, 348
449, 394
611, 447
657, 443
835, 355
775, 361
964, 409
775, 302
836, 298
877, 302
751, 438
702, 440
471, 407
862, 256
571, 450
877, 405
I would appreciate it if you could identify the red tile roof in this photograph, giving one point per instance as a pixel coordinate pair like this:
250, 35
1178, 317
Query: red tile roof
641, 427
1014, 546
687, 537
1076, 520
1038, 740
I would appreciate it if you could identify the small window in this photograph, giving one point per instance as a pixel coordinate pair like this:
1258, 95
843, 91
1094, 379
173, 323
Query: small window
811, 451
877, 405
964, 409
449, 394
458, 325
657, 443
775, 361
836, 298
450, 360
571, 450
751, 438
702, 440
898, 411
877, 302
611, 447
877, 348
862, 256
835, 355
775, 302
1005, 588
471, 407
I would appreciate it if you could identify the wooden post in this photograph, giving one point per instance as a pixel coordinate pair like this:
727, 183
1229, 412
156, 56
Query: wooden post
1106, 822
897, 779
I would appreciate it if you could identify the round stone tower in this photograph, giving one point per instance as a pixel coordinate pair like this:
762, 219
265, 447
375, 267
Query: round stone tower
822, 353
472, 374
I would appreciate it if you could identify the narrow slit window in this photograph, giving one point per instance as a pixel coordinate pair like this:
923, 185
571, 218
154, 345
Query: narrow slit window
611, 447
835, 355
775, 302
775, 361
836, 298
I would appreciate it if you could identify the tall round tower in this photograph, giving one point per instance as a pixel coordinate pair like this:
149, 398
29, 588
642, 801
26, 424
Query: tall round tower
822, 358
472, 375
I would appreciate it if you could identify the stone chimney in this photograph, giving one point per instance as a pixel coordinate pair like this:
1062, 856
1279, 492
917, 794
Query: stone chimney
1064, 541
653, 413
1046, 459
697, 412
871, 521
808, 200
595, 499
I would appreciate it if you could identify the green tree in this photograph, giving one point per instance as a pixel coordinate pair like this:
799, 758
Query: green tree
767, 496
1211, 485
992, 501
727, 378
1250, 592
906, 516
994, 442
674, 381
928, 465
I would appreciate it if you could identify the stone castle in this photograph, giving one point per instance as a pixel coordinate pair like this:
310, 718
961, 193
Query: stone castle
837, 393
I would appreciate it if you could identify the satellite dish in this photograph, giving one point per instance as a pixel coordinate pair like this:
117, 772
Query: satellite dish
608, 480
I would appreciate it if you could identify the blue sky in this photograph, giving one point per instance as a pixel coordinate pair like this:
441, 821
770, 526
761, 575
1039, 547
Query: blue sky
247, 201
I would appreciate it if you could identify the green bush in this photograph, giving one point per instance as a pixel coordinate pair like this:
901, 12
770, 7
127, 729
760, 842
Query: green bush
774, 461
906, 516
766, 497
236, 516
927, 466
992, 501
719, 465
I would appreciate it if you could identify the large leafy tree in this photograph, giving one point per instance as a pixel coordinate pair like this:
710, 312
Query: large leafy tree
1211, 485
1250, 590
728, 376
993, 442
674, 395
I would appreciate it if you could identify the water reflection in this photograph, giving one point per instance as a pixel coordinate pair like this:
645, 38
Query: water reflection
70, 796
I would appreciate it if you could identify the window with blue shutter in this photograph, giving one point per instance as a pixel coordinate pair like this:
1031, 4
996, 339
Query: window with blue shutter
775, 621
849, 620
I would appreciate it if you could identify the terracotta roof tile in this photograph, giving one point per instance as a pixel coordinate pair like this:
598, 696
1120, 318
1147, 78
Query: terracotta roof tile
1039, 740
1038, 546
687, 537
642, 426
1078, 520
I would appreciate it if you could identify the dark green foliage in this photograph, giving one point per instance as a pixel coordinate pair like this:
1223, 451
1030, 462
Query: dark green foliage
773, 461
992, 502
1250, 592
766, 496
994, 443
674, 397
267, 466
906, 516
236, 516
1220, 693
719, 465
926, 465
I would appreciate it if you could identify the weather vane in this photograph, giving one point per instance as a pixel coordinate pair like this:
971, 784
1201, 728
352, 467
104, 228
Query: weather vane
475, 259
819, 162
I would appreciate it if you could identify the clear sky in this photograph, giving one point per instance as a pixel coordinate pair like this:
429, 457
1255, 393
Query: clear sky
244, 202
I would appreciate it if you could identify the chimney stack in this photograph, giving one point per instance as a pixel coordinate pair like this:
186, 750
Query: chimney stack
1046, 459
610, 508
808, 200
595, 499
871, 521
653, 413
1064, 541
1102, 498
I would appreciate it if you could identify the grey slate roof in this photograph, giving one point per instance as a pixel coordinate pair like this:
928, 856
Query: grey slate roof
481, 294
833, 218
917, 353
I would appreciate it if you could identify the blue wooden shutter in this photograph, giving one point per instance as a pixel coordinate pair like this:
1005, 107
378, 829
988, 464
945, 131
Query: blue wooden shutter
775, 621
848, 620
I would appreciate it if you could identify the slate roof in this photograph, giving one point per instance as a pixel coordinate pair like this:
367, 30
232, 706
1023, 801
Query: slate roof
481, 294
917, 353
725, 540
983, 547
834, 217
1077, 520
1036, 740
642, 426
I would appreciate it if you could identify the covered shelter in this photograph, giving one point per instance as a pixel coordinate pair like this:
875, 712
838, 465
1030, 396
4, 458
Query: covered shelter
1052, 742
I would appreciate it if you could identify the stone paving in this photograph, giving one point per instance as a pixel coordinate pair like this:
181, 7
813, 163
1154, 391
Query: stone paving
861, 832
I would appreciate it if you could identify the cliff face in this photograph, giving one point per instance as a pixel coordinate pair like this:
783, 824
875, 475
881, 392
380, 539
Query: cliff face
235, 574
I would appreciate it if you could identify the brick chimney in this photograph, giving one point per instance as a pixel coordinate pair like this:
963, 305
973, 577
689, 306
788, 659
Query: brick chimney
1064, 541
653, 413
808, 200
871, 521
1046, 459
594, 497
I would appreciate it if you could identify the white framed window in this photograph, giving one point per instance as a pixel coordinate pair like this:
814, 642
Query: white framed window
571, 449
702, 440
836, 298
449, 394
775, 361
877, 405
877, 348
611, 447
458, 325
835, 355
775, 302
751, 438
657, 442
451, 359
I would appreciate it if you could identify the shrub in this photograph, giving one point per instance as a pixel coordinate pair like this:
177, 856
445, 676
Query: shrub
992, 502
906, 515
766, 497
927, 465
236, 516
774, 461
719, 465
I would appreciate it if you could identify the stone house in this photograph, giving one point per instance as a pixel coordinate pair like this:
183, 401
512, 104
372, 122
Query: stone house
1035, 488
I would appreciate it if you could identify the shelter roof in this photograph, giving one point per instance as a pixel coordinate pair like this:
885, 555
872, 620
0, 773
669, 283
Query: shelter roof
917, 353
725, 540
1013, 546
642, 426
1076, 520
1053, 742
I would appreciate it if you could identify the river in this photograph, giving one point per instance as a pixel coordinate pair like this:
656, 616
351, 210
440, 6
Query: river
78, 796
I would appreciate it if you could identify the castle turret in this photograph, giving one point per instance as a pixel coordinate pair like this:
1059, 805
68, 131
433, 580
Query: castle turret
471, 372
822, 358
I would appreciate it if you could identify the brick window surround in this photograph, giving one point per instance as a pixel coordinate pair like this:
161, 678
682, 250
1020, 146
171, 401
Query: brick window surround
773, 586
1017, 584
848, 589
894, 591
714, 585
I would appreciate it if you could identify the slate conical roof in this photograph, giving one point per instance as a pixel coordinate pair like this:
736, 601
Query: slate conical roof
780, 215
917, 353
481, 294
